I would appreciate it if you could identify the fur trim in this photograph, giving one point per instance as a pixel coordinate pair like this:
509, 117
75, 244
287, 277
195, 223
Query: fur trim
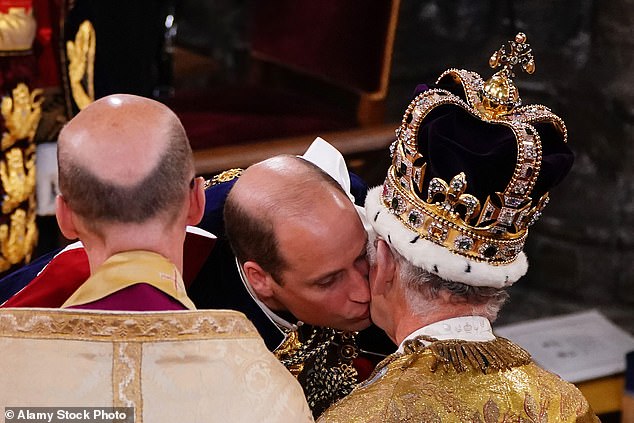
435, 258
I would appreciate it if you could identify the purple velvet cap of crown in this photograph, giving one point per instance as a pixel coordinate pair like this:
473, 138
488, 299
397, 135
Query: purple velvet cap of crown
454, 138
452, 141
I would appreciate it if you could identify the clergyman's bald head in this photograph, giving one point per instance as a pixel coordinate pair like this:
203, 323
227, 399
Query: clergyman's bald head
124, 159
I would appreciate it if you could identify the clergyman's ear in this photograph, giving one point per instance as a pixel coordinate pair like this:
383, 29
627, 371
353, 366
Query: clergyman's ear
260, 280
196, 202
65, 218
385, 268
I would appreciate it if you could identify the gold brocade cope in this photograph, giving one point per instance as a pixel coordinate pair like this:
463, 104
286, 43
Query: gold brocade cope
21, 114
461, 381
81, 65
177, 366
129, 268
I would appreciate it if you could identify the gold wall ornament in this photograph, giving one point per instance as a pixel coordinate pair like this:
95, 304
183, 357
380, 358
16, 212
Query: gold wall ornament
18, 240
81, 65
18, 178
21, 113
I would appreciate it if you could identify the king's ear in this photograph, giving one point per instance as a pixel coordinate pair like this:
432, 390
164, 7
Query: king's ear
260, 280
385, 268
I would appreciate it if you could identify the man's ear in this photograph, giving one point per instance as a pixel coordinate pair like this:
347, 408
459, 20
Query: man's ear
65, 218
196, 202
385, 268
260, 280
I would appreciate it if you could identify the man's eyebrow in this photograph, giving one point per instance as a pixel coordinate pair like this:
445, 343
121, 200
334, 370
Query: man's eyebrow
327, 275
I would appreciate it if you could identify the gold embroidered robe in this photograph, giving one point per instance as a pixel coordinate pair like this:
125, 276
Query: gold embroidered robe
461, 381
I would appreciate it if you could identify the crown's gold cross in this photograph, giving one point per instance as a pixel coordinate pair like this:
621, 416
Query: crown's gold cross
515, 52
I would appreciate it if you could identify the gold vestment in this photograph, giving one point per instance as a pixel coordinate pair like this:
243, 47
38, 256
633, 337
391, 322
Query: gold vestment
462, 381
177, 366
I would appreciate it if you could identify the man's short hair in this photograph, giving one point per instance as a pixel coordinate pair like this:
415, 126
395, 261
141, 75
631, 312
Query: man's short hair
422, 288
251, 232
161, 192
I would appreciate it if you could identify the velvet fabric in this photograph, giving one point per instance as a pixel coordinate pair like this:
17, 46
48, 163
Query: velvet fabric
452, 140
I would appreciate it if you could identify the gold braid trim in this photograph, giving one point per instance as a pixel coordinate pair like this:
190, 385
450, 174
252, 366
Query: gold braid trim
491, 356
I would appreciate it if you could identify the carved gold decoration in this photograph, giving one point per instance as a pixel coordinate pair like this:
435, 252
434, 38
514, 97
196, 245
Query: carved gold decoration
18, 232
18, 178
81, 65
21, 113
18, 240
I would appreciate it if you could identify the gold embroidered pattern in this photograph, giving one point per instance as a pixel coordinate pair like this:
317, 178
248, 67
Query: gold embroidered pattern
126, 377
440, 383
224, 176
166, 326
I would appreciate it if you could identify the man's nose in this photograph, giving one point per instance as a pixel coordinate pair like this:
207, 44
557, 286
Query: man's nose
360, 287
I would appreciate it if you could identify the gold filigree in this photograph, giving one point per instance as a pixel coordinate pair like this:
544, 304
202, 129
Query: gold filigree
21, 112
18, 178
81, 64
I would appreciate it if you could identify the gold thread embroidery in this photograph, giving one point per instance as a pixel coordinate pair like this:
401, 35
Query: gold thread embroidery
107, 327
126, 377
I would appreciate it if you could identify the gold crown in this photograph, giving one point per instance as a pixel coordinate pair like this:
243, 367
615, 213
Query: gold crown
494, 232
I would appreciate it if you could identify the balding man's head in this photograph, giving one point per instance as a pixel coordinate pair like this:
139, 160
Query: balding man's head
124, 159
300, 243
276, 189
